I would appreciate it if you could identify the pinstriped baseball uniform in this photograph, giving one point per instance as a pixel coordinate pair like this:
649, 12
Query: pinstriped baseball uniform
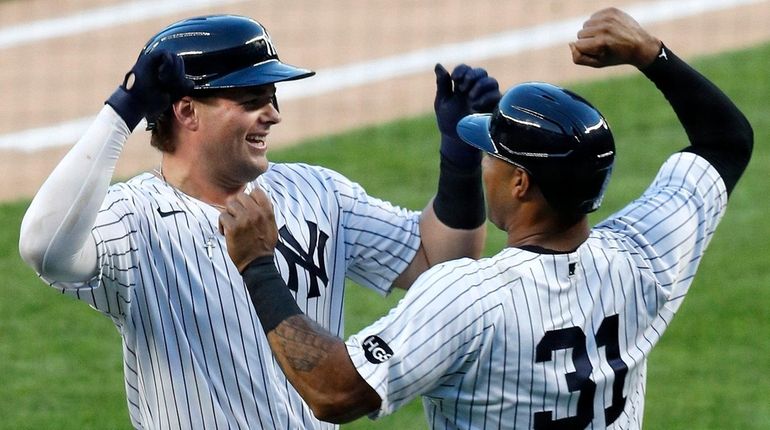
195, 355
531, 339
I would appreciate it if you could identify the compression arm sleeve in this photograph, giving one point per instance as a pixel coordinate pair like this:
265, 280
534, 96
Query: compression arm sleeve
717, 129
55, 234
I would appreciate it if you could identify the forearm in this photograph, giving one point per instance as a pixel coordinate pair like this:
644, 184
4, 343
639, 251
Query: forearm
319, 367
314, 361
459, 200
453, 223
55, 235
716, 128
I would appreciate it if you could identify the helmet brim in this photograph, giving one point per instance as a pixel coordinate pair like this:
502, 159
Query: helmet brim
267, 72
474, 130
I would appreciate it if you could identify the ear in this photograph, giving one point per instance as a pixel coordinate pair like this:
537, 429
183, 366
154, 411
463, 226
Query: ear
186, 113
520, 184
524, 189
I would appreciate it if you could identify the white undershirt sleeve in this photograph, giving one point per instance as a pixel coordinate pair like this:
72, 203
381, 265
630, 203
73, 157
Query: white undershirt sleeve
55, 236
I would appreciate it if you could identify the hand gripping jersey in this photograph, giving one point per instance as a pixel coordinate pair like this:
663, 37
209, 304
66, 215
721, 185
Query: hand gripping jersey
195, 355
528, 339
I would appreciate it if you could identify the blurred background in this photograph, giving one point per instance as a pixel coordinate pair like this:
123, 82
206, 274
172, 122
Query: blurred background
59, 60
368, 114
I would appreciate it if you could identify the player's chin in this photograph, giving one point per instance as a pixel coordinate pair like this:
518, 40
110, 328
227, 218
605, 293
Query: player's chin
494, 219
248, 168
260, 165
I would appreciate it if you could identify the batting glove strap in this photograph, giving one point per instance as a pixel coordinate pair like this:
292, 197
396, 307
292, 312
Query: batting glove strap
270, 296
459, 201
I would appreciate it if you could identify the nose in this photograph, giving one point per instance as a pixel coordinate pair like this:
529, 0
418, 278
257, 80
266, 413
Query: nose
271, 114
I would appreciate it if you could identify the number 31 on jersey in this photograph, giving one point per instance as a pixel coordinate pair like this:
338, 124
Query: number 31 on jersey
580, 380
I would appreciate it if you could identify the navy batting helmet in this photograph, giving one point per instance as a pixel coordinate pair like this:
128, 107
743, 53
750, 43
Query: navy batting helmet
225, 51
559, 138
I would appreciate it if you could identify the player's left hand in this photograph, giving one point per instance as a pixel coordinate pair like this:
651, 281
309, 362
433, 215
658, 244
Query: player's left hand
465, 91
611, 37
248, 223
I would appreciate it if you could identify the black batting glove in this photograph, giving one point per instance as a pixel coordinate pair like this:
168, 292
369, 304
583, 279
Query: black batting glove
156, 80
468, 90
482, 90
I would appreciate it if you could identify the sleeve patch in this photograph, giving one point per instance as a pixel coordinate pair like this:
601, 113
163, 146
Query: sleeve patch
376, 350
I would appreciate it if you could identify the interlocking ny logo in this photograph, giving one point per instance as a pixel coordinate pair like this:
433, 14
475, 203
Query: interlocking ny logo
296, 256
269, 45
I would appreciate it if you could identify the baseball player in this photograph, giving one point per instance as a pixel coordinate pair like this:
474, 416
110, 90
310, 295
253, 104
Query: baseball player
148, 253
554, 331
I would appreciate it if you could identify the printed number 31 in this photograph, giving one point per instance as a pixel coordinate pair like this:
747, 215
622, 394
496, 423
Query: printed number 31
580, 379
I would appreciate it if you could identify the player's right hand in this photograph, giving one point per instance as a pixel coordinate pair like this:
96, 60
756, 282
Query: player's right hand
611, 37
156, 80
248, 223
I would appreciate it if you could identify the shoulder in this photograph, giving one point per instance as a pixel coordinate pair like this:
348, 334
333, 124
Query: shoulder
692, 173
290, 169
301, 181
138, 191
301, 174
686, 188
670, 225
479, 277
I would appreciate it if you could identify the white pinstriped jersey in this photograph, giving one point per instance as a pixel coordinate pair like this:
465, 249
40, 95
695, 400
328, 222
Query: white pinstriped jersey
195, 354
528, 339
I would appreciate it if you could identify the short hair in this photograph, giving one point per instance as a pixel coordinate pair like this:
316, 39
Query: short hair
162, 137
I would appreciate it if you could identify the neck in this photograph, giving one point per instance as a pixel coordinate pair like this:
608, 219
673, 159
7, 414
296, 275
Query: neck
551, 232
193, 180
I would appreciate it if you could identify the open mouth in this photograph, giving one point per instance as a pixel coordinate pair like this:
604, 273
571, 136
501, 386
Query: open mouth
256, 140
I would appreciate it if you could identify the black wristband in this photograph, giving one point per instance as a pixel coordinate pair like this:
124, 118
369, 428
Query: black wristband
270, 296
459, 201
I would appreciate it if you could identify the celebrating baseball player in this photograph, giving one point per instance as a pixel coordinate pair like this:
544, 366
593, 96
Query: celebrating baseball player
554, 331
149, 253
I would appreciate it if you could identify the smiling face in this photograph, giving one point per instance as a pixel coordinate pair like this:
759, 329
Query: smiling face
233, 128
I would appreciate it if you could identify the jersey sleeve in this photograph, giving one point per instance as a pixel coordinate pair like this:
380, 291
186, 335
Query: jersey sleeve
429, 340
115, 234
381, 239
672, 223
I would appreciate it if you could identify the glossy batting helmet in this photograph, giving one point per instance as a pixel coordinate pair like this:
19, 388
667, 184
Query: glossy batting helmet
559, 138
224, 51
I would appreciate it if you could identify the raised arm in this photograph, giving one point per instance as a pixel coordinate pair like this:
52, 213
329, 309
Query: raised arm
716, 128
453, 223
55, 234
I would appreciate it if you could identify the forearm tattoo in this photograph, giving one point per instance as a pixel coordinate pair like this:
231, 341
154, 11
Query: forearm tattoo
305, 344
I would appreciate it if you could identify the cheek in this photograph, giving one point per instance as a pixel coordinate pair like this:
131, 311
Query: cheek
497, 195
490, 177
489, 195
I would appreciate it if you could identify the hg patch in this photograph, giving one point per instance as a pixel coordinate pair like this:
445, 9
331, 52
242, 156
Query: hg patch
376, 350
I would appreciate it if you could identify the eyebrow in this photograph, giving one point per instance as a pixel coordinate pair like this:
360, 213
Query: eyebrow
254, 98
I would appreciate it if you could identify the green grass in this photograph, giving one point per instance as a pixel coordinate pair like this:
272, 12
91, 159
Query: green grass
60, 362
